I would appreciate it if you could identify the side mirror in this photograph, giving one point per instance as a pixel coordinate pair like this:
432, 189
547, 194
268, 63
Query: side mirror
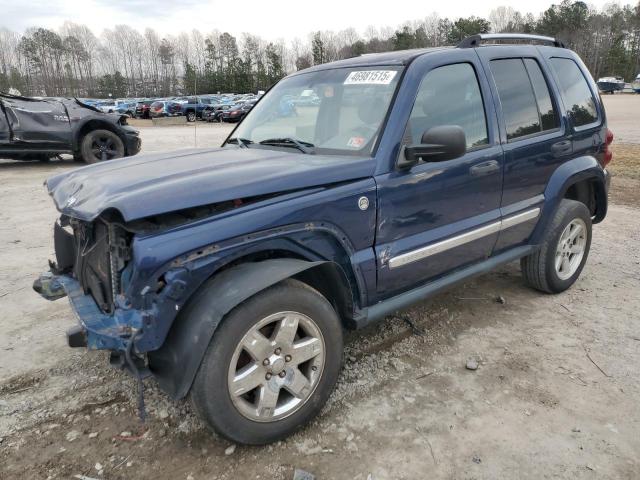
444, 142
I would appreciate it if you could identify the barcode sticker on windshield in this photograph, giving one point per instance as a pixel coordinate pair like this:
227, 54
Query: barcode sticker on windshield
370, 77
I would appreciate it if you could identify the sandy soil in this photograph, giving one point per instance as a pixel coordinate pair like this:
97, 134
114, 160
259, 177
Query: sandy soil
555, 396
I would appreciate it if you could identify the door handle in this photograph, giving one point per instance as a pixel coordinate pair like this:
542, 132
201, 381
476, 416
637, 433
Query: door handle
485, 168
564, 147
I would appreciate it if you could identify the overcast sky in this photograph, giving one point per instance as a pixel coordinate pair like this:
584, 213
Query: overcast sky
271, 20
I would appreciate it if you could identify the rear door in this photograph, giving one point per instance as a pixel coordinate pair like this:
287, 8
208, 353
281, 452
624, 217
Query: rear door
533, 134
38, 123
440, 216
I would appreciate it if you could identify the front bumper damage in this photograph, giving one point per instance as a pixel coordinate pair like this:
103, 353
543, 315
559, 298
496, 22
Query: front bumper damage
96, 330
99, 331
133, 142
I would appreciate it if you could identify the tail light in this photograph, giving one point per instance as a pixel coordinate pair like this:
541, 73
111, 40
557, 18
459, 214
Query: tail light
608, 153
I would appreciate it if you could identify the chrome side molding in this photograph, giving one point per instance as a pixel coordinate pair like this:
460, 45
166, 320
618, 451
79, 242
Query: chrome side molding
467, 237
519, 218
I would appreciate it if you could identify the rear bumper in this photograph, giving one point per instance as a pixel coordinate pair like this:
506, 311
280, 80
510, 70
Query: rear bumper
96, 330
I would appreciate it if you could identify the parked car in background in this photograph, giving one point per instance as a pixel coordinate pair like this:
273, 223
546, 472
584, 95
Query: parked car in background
42, 129
192, 107
213, 113
230, 273
307, 98
165, 108
92, 102
236, 113
143, 108
106, 106
126, 108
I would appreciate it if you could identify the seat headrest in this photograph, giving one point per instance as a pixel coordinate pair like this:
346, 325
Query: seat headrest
371, 111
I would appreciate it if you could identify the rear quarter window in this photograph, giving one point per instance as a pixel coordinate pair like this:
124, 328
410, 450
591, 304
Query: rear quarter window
577, 95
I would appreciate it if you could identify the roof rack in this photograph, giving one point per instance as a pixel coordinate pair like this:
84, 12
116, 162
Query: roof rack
475, 40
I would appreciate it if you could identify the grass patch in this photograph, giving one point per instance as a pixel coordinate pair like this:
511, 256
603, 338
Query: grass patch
626, 161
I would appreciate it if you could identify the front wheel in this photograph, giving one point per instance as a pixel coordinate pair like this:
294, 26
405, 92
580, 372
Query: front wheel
562, 256
191, 116
271, 364
101, 145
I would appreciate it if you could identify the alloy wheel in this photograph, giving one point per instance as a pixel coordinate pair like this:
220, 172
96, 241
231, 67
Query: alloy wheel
104, 148
276, 366
571, 248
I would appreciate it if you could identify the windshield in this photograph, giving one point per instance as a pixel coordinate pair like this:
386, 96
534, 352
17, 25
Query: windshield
336, 111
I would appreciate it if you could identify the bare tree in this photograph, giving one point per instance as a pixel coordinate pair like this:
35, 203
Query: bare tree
73, 61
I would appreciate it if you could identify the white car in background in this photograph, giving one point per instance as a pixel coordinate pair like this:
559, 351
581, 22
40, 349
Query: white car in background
107, 106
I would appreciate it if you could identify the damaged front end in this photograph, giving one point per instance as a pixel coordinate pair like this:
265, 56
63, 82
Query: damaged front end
90, 269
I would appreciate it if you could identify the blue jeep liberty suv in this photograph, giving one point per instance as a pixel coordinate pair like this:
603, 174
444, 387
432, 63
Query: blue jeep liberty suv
228, 274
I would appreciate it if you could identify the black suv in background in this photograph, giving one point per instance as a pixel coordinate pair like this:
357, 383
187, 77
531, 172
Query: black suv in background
236, 113
43, 128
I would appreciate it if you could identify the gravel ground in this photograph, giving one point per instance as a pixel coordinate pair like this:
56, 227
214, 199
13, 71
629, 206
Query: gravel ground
555, 394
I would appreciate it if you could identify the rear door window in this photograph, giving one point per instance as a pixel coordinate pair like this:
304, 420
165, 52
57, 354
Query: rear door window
526, 103
450, 95
549, 119
576, 93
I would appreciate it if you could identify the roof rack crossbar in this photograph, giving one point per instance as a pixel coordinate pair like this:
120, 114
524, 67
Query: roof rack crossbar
475, 40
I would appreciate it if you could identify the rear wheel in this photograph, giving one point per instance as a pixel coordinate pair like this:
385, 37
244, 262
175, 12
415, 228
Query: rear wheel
562, 256
191, 116
101, 145
271, 364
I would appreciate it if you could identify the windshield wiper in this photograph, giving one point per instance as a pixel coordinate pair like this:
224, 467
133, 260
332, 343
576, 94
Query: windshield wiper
242, 142
304, 147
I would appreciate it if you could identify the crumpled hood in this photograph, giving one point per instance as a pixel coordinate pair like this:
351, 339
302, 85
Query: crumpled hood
152, 184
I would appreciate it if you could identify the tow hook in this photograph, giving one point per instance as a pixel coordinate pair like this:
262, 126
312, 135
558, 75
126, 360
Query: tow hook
49, 287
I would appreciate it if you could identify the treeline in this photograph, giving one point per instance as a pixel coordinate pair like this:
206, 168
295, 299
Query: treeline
124, 62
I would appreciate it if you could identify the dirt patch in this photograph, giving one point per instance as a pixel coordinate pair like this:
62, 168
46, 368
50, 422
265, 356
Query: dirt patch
20, 383
625, 171
626, 161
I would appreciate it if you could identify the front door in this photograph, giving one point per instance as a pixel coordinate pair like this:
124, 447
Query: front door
440, 216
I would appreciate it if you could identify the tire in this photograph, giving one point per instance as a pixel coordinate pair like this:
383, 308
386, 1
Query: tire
191, 116
101, 145
540, 269
240, 418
